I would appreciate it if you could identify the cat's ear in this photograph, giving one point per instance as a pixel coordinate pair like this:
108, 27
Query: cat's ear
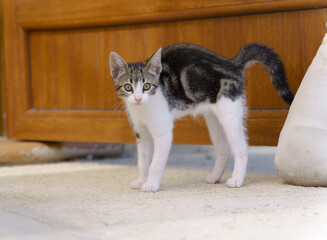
117, 65
154, 65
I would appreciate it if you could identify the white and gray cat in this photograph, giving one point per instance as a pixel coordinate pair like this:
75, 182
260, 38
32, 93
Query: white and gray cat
184, 79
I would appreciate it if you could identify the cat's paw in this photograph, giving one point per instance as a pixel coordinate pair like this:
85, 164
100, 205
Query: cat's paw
150, 187
137, 184
234, 183
211, 179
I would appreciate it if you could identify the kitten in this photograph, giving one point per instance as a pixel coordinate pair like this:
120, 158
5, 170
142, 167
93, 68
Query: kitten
184, 79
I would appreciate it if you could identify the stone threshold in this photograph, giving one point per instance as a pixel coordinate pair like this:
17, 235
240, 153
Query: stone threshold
23, 152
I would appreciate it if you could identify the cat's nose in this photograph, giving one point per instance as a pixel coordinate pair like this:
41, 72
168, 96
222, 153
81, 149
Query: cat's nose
138, 99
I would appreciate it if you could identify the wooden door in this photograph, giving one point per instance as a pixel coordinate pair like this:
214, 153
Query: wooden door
57, 79
1, 75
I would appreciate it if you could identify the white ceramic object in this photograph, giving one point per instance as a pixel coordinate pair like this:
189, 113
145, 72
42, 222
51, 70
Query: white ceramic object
301, 156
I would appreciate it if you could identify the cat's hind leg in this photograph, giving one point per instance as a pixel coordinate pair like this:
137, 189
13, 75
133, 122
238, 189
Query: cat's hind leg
221, 147
144, 156
231, 116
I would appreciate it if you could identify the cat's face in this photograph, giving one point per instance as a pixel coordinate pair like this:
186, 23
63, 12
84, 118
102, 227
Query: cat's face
135, 82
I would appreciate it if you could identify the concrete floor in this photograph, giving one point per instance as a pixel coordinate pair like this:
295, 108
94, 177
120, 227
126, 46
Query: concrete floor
85, 199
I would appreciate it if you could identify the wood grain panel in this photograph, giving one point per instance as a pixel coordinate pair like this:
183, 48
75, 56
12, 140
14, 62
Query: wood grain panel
107, 96
271, 35
209, 30
229, 32
171, 33
37, 42
190, 31
59, 74
90, 69
137, 43
255, 74
293, 47
314, 27
75, 71
154, 38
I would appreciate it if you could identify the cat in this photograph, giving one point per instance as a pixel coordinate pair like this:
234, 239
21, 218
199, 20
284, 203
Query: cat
184, 79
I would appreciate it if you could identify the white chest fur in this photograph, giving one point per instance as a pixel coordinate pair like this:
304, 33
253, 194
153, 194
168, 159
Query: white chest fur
154, 111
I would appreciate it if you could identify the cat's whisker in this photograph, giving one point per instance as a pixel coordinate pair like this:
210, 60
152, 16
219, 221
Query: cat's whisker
112, 97
115, 106
118, 105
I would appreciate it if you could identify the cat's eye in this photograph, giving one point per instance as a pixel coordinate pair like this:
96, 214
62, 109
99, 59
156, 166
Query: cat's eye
128, 87
146, 87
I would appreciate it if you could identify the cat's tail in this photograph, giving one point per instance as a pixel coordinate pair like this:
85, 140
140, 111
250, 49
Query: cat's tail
256, 52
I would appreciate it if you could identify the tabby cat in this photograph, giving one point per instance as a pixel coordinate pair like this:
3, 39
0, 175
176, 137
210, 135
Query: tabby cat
184, 79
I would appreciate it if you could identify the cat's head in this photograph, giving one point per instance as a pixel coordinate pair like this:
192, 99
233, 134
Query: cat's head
135, 82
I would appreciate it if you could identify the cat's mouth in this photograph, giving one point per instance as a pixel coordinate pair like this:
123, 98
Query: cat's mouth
138, 103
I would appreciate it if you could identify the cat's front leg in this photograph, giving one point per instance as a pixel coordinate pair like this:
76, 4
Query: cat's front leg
144, 156
162, 145
162, 134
